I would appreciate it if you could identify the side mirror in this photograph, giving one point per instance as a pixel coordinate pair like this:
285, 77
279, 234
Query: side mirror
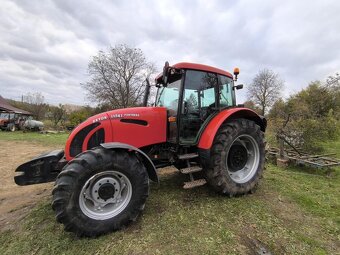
165, 73
239, 86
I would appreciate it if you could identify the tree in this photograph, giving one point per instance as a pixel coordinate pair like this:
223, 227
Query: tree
305, 121
251, 105
117, 77
265, 89
79, 116
57, 114
334, 81
36, 104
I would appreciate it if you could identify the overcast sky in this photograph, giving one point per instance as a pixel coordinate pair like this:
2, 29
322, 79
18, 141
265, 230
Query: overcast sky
45, 46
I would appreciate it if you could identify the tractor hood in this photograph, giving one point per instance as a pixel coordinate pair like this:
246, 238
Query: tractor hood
138, 126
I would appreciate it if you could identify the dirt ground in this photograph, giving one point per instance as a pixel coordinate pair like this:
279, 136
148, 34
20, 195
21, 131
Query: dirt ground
16, 201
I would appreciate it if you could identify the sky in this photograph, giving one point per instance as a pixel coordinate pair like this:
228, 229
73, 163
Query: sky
45, 46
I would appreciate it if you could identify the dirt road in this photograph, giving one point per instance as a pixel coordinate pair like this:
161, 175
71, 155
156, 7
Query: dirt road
16, 201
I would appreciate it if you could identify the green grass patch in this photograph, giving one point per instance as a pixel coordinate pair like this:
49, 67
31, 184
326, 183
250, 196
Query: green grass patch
35, 137
290, 213
294, 211
315, 194
332, 147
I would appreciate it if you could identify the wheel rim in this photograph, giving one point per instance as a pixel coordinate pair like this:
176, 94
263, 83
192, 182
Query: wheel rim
105, 195
243, 159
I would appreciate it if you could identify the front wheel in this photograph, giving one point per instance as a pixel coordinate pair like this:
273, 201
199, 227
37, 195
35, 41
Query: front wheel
11, 127
100, 191
237, 158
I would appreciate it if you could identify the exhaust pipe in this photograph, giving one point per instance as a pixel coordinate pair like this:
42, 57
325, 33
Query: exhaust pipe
147, 93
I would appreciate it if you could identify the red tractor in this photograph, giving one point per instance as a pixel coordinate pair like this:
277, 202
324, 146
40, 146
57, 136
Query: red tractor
102, 176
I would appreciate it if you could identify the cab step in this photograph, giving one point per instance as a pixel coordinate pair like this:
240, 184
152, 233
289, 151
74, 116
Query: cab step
195, 183
188, 156
191, 169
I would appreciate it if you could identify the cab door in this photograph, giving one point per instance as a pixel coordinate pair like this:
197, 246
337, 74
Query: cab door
199, 102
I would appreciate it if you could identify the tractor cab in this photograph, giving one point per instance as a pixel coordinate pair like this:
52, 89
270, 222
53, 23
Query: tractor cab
193, 95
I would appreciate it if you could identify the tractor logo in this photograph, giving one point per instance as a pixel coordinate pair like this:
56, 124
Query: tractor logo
99, 119
121, 115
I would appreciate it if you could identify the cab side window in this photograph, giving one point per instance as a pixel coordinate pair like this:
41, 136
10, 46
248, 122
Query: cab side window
226, 91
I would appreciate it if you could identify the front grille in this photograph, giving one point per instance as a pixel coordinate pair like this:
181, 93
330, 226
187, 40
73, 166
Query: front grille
96, 139
77, 142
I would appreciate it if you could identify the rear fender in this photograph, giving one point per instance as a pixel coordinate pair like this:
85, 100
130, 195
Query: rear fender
150, 167
211, 129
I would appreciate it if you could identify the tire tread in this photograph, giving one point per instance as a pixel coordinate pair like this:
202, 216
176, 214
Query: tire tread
216, 174
83, 165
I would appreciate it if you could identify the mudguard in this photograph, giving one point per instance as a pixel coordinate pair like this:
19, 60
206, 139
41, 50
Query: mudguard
44, 168
208, 135
150, 167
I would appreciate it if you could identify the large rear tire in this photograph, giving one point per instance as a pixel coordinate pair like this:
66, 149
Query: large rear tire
100, 191
237, 158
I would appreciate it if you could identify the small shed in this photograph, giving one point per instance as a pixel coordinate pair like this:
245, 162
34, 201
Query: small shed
11, 118
6, 107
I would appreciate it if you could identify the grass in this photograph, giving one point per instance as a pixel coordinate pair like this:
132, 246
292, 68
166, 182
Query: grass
35, 137
332, 147
292, 212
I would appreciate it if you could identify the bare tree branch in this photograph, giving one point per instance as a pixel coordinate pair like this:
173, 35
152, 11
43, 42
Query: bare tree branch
37, 104
117, 77
265, 89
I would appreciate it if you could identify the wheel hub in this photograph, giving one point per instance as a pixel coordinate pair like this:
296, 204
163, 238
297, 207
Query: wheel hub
106, 191
237, 158
105, 195
243, 159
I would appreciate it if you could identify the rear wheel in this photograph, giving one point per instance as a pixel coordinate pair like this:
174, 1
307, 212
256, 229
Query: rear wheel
237, 158
100, 191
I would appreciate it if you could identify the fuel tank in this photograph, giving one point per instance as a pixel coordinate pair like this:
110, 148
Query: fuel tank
138, 126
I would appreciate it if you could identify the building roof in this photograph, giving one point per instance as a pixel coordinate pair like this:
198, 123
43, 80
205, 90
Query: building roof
6, 107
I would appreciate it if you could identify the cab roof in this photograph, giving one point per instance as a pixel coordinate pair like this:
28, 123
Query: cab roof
200, 67
186, 65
